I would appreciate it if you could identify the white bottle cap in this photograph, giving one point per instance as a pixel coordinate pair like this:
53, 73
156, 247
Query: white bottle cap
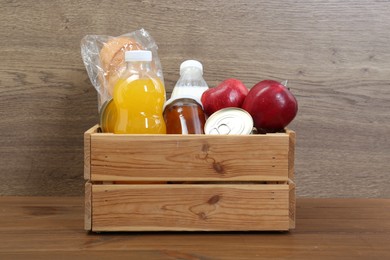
190, 63
138, 55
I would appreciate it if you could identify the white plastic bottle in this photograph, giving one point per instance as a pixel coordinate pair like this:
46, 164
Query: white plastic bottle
191, 82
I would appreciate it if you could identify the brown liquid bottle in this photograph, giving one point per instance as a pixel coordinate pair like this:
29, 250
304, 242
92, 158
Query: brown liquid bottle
183, 113
184, 116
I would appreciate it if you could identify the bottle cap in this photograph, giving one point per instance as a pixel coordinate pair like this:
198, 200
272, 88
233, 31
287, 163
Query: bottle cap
138, 55
190, 63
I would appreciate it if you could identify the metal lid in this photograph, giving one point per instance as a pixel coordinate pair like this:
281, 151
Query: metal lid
229, 121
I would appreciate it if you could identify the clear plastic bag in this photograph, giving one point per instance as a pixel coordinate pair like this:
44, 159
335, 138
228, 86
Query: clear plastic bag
104, 58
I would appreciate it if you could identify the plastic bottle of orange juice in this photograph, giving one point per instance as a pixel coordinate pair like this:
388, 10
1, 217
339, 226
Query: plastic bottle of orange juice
139, 97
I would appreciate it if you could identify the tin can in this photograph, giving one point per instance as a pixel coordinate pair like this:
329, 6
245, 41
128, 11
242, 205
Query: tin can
229, 121
108, 116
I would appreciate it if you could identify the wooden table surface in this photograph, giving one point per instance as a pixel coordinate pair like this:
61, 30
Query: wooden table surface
52, 227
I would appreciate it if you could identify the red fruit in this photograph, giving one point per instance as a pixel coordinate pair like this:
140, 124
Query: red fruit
271, 105
229, 93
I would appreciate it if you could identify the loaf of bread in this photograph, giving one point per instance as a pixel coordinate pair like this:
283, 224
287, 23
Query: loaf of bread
112, 58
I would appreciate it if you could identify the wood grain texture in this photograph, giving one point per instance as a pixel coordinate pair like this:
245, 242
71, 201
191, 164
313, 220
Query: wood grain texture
334, 53
191, 157
87, 151
88, 206
185, 207
292, 211
52, 227
291, 154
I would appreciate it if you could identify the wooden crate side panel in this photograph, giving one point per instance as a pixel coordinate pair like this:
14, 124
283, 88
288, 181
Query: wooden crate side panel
291, 154
181, 158
190, 207
88, 207
87, 151
292, 204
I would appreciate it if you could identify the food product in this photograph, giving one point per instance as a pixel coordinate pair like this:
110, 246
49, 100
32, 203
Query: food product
229, 93
112, 58
183, 112
139, 96
229, 121
191, 82
184, 116
108, 116
271, 105
103, 57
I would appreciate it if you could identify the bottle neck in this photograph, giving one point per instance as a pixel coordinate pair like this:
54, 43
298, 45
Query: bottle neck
138, 66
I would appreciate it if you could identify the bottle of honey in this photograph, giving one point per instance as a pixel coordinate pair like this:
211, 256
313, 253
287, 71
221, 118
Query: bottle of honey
183, 112
184, 116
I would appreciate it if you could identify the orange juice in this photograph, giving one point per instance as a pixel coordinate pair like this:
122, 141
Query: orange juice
139, 105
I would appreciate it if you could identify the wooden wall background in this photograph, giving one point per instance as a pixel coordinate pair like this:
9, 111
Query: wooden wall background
335, 54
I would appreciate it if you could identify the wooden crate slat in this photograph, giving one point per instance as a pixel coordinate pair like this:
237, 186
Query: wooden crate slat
201, 157
190, 207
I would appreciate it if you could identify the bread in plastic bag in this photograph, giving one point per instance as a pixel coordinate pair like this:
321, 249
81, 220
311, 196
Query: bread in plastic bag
103, 57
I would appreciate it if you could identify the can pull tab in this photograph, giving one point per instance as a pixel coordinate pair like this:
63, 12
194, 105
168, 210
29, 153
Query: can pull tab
222, 129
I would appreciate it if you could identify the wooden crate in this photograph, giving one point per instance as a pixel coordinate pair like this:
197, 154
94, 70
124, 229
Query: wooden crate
189, 182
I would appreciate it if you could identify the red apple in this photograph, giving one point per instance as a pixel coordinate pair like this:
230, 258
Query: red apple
271, 105
229, 93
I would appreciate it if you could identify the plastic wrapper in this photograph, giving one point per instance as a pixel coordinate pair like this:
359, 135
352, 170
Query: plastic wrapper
104, 58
